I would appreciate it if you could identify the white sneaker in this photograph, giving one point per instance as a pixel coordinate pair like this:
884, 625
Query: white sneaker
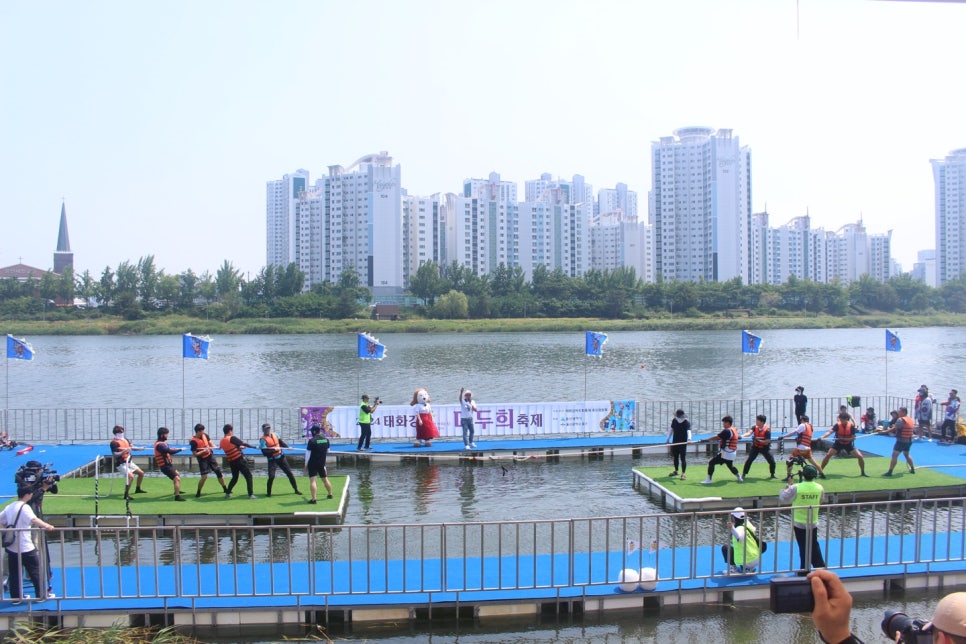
706, 482
740, 479
467, 447
473, 445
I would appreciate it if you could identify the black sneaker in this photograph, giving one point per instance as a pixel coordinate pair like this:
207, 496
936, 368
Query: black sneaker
329, 496
312, 501
912, 470
864, 474
889, 473
197, 495
297, 492
179, 498
140, 491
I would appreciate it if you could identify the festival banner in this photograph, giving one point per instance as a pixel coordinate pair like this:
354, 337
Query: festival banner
510, 419
195, 346
19, 349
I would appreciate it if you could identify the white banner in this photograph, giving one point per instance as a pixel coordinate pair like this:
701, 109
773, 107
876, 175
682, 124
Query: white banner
508, 419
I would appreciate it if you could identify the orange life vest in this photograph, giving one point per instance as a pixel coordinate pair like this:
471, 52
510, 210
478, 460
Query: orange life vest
908, 428
232, 451
805, 438
122, 456
161, 458
730, 444
204, 446
758, 435
272, 444
845, 432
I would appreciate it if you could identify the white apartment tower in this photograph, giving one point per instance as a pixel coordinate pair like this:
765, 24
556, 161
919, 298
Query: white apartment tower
424, 233
281, 223
702, 206
950, 179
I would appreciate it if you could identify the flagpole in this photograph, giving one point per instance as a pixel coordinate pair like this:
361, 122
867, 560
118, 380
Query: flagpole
585, 378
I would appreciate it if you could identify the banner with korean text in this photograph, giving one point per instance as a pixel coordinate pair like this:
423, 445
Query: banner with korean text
507, 419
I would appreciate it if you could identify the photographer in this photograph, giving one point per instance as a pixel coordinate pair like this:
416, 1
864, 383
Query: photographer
365, 422
22, 551
39, 479
833, 608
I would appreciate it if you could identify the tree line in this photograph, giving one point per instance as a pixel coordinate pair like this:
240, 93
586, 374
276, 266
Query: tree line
136, 289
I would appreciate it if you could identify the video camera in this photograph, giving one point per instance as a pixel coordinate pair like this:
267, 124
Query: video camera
34, 475
909, 629
800, 462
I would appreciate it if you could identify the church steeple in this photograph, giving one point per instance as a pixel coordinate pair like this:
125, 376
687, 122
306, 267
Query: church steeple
63, 257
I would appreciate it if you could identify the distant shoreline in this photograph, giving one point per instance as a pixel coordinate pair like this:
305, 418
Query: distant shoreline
177, 324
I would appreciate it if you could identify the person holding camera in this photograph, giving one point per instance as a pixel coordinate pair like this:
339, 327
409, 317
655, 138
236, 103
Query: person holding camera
121, 448
365, 422
833, 613
21, 549
745, 549
805, 497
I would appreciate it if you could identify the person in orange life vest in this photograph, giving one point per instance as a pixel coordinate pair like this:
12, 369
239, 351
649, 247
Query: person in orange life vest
121, 448
728, 450
271, 446
232, 446
904, 428
162, 458
760, 444
803, 448
203, 449
845, 431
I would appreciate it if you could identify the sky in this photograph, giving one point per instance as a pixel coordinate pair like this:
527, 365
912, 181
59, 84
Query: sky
159, 123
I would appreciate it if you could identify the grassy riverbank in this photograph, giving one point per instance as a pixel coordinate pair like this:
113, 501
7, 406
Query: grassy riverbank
177, 324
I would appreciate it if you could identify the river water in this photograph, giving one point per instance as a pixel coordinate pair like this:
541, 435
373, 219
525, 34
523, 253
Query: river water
281, 371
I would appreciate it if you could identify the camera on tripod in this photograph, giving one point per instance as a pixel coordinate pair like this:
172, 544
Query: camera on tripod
800, 462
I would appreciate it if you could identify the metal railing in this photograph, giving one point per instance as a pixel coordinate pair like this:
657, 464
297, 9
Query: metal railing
378, 560
93, 425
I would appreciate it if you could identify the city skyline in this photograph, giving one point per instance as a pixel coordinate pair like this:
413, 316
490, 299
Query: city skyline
158, 124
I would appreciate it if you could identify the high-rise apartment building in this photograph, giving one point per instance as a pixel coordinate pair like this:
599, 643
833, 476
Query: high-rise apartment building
281, 223
424, 233
350, 219
950, 181
702, 206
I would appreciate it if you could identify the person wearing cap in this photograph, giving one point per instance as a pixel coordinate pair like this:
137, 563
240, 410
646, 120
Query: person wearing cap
805, 498
162, 458
365, 423
745, 549
20, 516
678, 436
801, 402
232, 446
121, 448
923, 411
272, 446
317, 449
467, 413
832, 614
950, 417
203, 450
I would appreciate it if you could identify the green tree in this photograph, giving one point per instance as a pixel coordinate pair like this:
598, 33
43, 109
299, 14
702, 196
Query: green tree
106, 287
227, 279
148, 278
427, 283
87, 287
187, 289
66, 288
451, 306
48, 285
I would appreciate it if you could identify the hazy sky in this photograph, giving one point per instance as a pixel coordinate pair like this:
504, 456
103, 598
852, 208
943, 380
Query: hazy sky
160, 122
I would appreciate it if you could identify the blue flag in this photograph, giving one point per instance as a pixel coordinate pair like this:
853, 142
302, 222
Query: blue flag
370, 348
195, 346
893, 343
750, 343
19, 349
594, 343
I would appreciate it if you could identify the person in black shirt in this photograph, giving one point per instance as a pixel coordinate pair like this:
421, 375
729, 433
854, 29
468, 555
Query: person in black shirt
318, 449
679, 435
801, 402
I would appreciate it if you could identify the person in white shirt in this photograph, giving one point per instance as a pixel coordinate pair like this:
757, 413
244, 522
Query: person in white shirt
22, 552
